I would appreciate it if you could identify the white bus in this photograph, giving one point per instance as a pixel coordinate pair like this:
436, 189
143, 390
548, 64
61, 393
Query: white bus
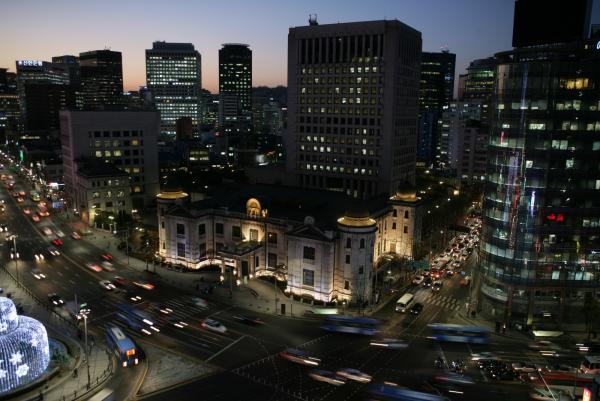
404, 302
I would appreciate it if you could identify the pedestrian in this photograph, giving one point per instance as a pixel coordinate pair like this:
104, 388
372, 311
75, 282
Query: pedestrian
75, 372
41, 397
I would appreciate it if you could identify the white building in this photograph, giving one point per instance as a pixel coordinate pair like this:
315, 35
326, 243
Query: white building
128, 139
101, 187
314, 240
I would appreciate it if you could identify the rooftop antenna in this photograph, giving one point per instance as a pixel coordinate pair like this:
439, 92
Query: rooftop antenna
444, 48
312, 19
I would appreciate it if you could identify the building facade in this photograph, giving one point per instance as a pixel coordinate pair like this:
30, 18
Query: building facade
541, 231
353, 106
300, 236
43, 89
101, 77
435, 92
174, 78
128, 139
235, 83
99, 188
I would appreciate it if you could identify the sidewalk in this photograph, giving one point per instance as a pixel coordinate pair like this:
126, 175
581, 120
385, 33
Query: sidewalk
66, 384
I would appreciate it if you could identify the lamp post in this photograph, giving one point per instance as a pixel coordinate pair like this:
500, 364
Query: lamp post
15, 256
83, 314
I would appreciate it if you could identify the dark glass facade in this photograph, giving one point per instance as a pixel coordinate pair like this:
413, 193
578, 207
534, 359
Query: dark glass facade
101, 74
540, 245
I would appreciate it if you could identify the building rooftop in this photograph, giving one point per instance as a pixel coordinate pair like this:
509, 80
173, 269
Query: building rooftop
279, 202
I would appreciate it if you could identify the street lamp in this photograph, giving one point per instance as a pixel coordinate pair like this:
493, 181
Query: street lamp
14, 255
83, 314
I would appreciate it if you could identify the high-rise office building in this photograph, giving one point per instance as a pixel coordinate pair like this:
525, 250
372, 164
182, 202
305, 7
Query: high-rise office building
9, 103
101, 75
435, 92
174, 78
353, 93
43, 90
541, 231
72, 65
235, 83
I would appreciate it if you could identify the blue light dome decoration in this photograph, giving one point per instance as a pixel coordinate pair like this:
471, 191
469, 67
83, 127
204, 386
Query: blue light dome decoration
24, 351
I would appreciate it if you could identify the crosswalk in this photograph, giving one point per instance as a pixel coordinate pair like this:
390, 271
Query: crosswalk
428, 297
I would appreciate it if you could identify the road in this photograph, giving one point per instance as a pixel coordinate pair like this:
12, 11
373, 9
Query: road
248, 355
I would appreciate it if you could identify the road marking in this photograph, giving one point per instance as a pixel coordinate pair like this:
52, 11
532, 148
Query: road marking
225, 349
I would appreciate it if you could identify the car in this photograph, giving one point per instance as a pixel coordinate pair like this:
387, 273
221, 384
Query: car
53, 251
37, 274
27, 211
39, 257
107, 256
22, 193
427, 282
354, 375
55, 300
326, 376
59, 234
175, 322
35, 217
106, 265
588, 347
43, 212
418, 280
299, 356
525, 367
466, 280
133, 297
561, 368
20, 200
119, 281
252, 321
107, 285
485, 356
57, 242
213, 325
416, 308
75, 235
47, 231
93, 267
199, 302
3, 228
436, 286
162, 308
391, 343
15, 194
143, 284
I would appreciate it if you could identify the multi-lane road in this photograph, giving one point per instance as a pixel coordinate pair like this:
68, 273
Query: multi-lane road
250, 368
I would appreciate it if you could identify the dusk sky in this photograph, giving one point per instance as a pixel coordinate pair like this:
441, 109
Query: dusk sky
39, 30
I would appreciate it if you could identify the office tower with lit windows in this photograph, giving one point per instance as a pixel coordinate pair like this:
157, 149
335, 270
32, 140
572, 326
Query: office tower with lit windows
435, 92
9, 104
174, 79
353, 93
541, 205
101, 76
43, 90
235, 84
71, 63
127, 139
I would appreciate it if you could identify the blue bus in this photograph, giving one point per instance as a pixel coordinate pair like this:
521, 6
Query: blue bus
458, 333
351, 325
136, 319
122, 345
390, 392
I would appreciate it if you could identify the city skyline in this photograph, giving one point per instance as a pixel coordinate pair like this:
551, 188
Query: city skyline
138, 24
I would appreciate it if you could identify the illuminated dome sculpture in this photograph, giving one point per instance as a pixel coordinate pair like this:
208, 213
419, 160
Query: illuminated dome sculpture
24, 351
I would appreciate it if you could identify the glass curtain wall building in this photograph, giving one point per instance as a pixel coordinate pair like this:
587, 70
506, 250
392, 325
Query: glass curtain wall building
540, 251
174, 78
235, 83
